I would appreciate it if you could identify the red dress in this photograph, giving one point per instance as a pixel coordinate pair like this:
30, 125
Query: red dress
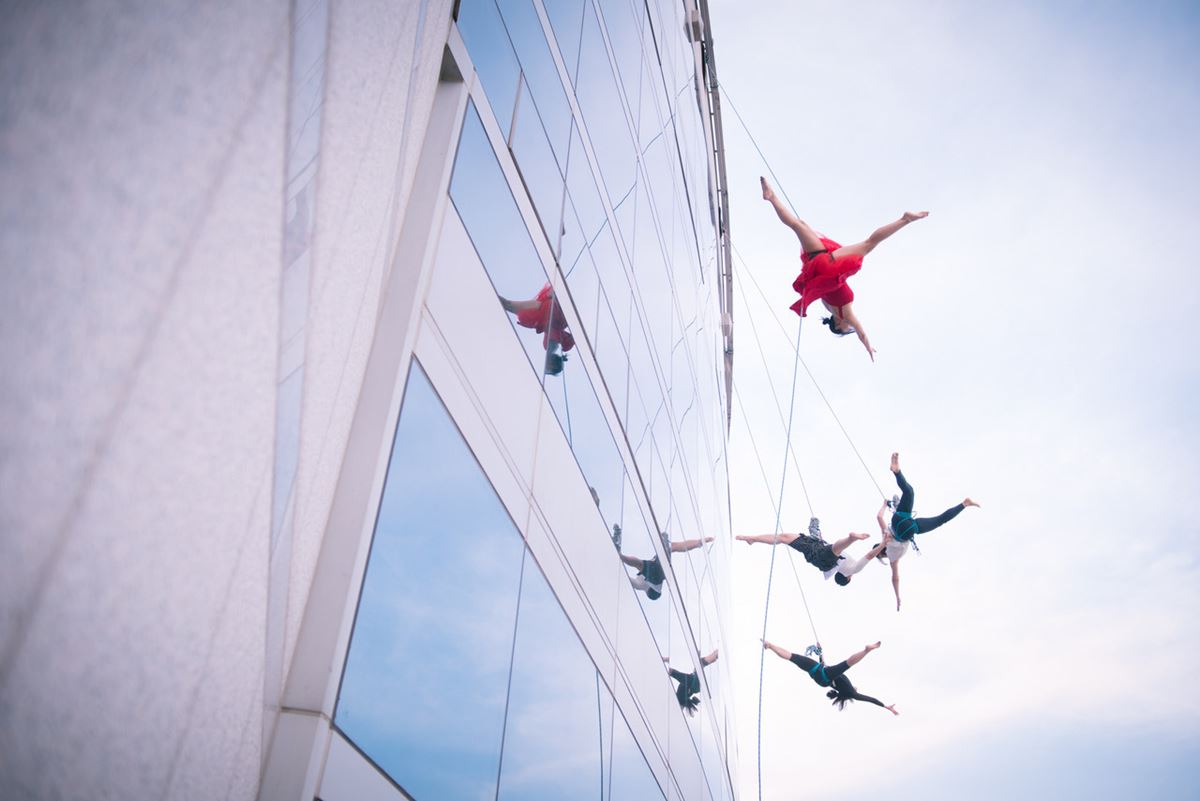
548, 318
824, 277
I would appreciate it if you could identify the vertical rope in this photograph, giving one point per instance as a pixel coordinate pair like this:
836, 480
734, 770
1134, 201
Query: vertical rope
762, 657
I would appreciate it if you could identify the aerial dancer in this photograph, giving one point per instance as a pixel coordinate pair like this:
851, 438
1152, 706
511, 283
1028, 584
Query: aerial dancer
688, 691
543, 314
904, 527
823, 556
650, 575
827, 265
835, 677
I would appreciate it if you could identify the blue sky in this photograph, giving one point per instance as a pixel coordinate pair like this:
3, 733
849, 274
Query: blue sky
1035, 339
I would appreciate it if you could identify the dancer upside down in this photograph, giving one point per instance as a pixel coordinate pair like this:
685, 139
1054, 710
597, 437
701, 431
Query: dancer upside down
688, 691
650, 574
834, 676
826, 265
543, 314
904, 527
820, 554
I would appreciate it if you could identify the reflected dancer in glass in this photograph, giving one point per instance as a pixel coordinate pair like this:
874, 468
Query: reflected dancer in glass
827, 265
543, 314
834, 676
650, 575
688, 691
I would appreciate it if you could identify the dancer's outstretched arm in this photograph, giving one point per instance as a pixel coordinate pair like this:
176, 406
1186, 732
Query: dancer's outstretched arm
850, 317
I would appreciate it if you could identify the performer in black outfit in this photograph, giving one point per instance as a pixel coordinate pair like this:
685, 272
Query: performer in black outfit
834, 676
688, 691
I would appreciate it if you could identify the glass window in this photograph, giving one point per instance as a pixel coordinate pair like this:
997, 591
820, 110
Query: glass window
425, 682
531, 150
612, 357
603, 113
581, 186
566, 18
623, 21
541, 74
627, 775
482, 197
591, 440
487, 42
552, 736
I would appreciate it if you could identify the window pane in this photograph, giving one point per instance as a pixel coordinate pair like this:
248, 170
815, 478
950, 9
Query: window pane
552, 739
424, 688
482, 197
541, 75
603, 113
493, 57
539, 170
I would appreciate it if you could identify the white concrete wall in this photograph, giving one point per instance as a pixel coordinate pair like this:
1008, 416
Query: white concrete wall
142, 166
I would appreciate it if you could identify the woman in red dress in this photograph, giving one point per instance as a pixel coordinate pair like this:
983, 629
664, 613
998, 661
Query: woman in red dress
543, 314
827, 265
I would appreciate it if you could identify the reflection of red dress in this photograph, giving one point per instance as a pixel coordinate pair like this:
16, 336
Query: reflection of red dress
824, 277
548, 318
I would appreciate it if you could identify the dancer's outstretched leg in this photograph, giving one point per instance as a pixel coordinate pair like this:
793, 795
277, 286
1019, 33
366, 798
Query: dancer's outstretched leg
854, 659
809, 240
878, 235
907, 496
845, 542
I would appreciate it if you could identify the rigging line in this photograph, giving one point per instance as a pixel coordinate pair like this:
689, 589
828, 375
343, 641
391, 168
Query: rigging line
783, 191
771, 570
811, 377
775, 395
754, 142
766, 485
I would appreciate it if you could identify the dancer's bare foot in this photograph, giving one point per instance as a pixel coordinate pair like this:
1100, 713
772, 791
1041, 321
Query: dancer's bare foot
768, 192
913, 216
860, 536
870, 648
709, 539
895, 462
892, 708
969, 502
744, 538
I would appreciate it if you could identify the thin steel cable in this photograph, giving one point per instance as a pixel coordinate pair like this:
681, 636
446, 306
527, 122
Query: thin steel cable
758, 149
774, 394
771, 570
811, 377
766, 485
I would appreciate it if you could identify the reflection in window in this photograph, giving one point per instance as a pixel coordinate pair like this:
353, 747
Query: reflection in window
423, 694
482, 197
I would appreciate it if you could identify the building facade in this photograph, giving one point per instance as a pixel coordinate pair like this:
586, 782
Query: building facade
367, 375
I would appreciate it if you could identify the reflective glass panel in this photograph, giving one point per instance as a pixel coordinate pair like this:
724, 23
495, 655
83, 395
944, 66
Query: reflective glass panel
424, 688
487, 42
603, 113
539, 171
552, 738
566, 17
482, 197
541, 74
